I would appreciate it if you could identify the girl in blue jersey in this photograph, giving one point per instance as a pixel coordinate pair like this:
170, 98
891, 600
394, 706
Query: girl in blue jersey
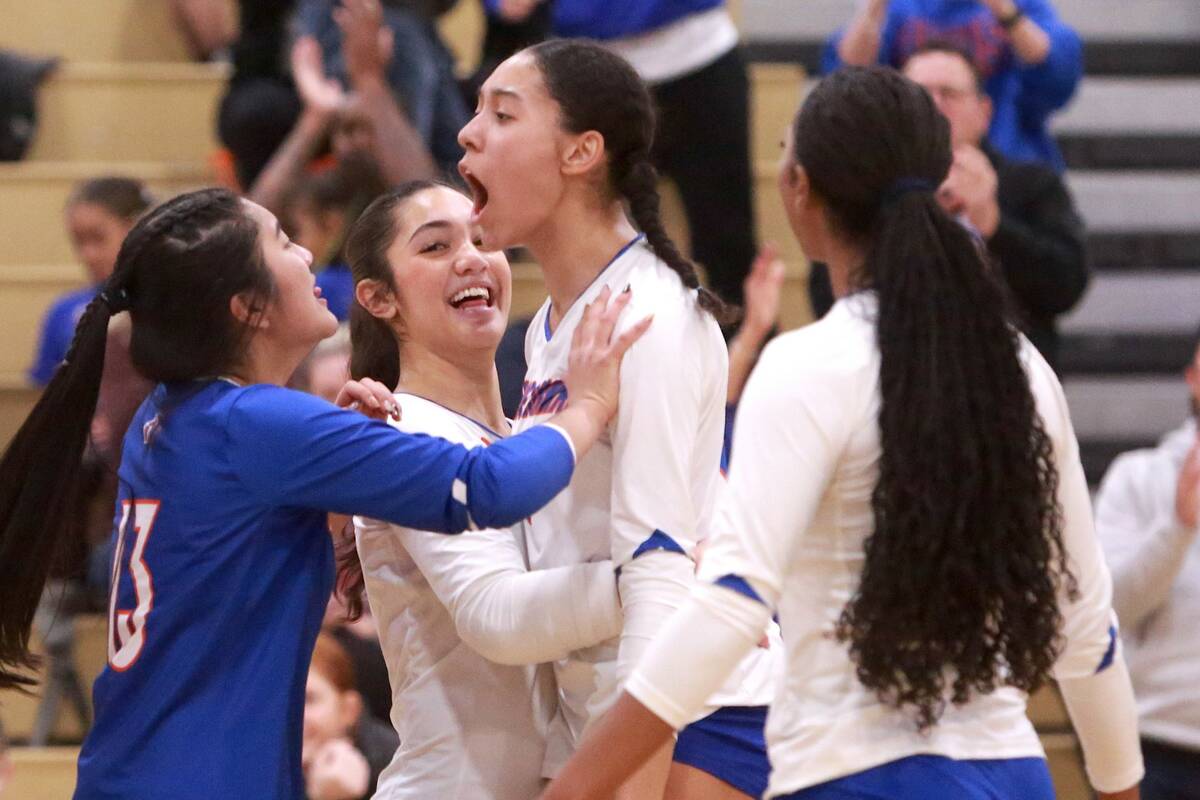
223, 562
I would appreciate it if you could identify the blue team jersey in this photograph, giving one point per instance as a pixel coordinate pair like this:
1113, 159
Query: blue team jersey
224, 565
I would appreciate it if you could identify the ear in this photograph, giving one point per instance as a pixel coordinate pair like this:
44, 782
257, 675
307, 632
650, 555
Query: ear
584, 152
985, 111
247, 314
377, 298
801, 188
350, 707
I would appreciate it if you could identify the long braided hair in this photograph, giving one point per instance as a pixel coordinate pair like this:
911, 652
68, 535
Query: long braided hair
959, 586
597, 90
176, 272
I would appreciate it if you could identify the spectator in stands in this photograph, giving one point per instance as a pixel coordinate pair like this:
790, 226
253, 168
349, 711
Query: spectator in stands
321, 210
419, 67
1030, 61
98, 213
1022, 211
344, 750
261, 104
368, 120
688, 53
1147, 518
19, 81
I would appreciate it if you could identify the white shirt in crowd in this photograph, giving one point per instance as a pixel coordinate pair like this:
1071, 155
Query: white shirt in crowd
680, 48
460, 618
792, 526
656, 470
1156, 585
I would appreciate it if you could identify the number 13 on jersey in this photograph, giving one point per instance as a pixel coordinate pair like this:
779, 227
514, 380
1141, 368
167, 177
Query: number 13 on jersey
127, 629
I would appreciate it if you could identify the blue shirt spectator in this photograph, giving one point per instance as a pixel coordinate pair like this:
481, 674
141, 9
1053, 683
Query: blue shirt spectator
1025, 91
58, 327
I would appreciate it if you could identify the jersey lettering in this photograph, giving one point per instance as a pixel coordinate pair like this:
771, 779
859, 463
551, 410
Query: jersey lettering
127, 629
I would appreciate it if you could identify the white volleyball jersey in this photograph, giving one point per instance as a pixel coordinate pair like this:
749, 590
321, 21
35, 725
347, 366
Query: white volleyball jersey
652, 480
470, 727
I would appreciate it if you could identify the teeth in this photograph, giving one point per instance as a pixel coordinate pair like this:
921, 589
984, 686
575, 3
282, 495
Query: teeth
473, 292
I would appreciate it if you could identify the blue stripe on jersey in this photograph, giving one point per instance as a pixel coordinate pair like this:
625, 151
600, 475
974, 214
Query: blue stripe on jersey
1111, 652
925, 777
740, 585
658, 541
611, 261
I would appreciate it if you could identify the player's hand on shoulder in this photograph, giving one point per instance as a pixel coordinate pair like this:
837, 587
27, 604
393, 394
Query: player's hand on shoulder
593, 370
369, 397
338, 772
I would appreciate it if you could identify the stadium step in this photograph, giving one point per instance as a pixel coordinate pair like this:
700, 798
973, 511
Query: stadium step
32, 195
93, 30
42, 773
129, 112
25, 293
1132, 407
1152, 301
1157, 200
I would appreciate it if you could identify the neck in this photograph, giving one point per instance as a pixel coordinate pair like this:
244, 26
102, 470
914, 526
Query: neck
574, 246
266, 362
844, 262
465, 382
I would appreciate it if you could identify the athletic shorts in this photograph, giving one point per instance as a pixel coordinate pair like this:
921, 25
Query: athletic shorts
730, 745
928, 776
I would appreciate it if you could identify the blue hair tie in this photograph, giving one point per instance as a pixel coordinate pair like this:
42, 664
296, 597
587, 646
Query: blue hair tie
904, 186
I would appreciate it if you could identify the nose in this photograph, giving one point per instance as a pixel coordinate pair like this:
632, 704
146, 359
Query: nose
468, 137
469, 260
306, 254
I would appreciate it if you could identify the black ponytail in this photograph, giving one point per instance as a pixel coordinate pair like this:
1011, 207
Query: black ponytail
959, 588
598, 90
40, 474
176, 272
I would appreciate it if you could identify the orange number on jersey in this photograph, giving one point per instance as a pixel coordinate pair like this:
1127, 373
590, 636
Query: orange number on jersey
127, 629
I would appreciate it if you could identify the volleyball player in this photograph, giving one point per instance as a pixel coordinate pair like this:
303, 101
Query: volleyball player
223, 563
462, 621
560, 143
906, 491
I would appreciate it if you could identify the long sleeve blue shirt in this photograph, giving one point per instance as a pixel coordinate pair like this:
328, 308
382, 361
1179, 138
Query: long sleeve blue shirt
616, 19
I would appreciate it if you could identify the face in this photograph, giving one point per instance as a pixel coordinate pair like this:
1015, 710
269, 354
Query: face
452, 296
316, 230
949, 80
514, 148
328, 713
296, 316
96, 234
353, 129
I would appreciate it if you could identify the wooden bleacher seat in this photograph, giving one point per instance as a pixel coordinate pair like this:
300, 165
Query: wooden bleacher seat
42, 773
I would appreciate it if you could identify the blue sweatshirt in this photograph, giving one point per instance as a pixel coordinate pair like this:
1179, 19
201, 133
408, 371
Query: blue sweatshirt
616, 19
1024, 96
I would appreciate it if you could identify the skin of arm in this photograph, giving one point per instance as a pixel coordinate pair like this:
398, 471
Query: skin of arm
761, 289
860, 44
1029, 41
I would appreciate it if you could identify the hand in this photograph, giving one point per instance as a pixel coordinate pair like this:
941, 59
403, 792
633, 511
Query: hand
1187, 490
322, 95
970, 190
370, 397
516, 10
338, 771
366, 40
594, 364
1001, 9
762, 289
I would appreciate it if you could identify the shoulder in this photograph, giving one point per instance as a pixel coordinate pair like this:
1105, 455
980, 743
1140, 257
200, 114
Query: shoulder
840, 346
419, 415
266, 409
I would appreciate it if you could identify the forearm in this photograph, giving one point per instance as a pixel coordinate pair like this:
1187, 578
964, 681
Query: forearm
1143, 578
398, 148
534, 617
860, 43
1029, 41
287, 164
743, 353
1104, 715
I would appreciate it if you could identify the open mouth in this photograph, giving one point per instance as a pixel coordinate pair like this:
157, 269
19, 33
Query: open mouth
479, 193
473, 297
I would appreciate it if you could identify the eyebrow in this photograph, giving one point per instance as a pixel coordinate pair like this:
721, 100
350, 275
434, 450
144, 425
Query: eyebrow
500, 92
435, 223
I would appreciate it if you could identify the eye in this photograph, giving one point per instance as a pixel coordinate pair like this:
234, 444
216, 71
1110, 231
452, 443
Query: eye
433, 247
502, 117
478, 242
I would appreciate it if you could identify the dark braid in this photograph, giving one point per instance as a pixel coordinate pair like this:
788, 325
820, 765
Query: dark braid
597, 90
176, 272
959, 588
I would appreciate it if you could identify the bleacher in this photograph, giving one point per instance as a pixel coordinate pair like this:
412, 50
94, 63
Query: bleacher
126, 100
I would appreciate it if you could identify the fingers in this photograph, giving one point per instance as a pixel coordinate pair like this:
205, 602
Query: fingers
370, 397
626, 339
